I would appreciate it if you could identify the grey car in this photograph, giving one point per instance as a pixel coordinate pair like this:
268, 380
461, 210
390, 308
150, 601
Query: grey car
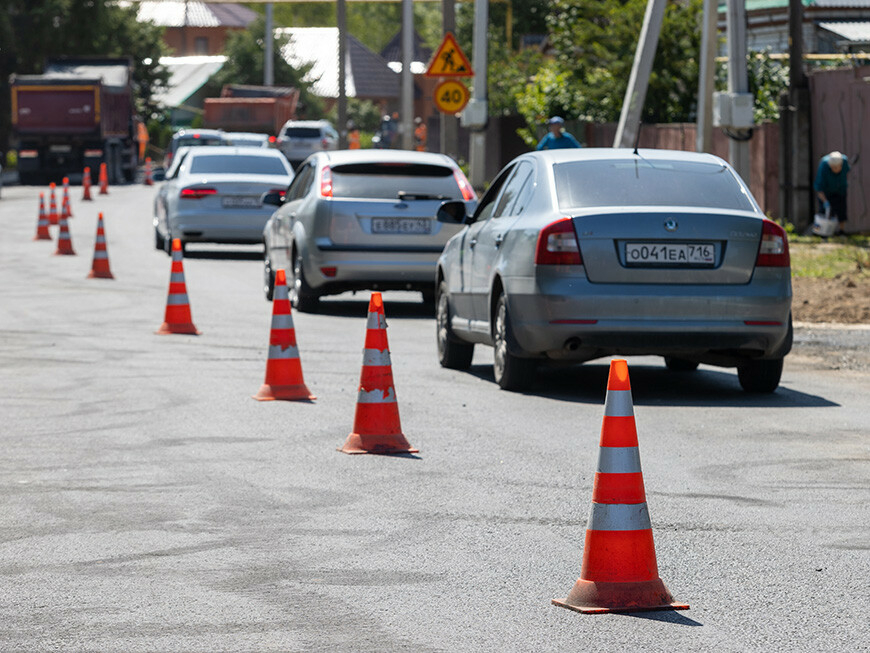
299, 139
362, 219
573, 255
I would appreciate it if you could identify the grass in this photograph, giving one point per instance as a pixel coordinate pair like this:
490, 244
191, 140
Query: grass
821, 258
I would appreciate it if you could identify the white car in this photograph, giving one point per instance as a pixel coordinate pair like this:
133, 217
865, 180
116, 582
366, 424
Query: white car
213, 195
249, 139
299, 139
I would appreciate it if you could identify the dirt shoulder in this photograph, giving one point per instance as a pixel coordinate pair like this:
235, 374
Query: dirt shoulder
844, 299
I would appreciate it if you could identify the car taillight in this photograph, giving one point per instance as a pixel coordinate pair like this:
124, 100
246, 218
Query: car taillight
27, 154
464, 185
326, 182
280, 191
196, 193
773, 250
557, 244
324, 143
272, 139
93, 153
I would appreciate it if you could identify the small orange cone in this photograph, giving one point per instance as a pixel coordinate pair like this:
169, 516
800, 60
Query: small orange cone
376, 427
283, 369
149, 180
177, 318
65, 204
104, 179
42, 232
86, 184
64, 242
65, 211
619, 571
100, 266
53, 217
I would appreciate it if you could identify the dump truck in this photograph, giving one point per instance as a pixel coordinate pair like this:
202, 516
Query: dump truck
260, 109
79, 112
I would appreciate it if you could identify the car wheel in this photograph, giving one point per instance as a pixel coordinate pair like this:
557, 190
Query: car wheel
159, 240
511, 372
680, 364
167, 244
452, 352
429, 297
302, 296
268, 277
760, 376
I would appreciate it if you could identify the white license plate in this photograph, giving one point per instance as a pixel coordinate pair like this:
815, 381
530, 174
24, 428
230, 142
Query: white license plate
241, 202
670, 253
401, 226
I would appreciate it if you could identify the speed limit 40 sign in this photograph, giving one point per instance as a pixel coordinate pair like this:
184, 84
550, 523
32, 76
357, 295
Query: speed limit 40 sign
451, 96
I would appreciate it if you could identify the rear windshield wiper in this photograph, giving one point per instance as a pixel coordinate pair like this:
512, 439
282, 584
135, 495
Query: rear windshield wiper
404, 195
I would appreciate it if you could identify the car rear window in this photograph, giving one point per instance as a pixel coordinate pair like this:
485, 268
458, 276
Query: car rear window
303, 132
205, 140
248, 142
244, 163
387, 180
648, 183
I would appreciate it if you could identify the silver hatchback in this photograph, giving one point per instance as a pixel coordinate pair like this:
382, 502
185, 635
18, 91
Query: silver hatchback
362, 219
584, 253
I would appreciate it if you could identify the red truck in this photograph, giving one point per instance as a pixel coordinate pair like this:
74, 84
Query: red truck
78, 113
260, 109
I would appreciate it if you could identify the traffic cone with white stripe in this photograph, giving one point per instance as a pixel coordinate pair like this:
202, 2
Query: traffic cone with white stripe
177, 318
283, 369
65, 206
149, 179
619, 571
64, 241
86, 184
42, 232
104, 179
376, 427
53, 216
100, 266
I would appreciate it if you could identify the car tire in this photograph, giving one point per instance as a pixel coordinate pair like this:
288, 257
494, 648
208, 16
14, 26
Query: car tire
760, 376
429, 297
302, 296
159, 240
680, 364
453, 353
511, 372
268, 277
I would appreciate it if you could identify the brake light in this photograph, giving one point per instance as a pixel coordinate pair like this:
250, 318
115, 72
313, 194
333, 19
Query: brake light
324, 143
326, 182
329, 271
196, 193
27, 154
280, 191
464, 185
773, 249
272, 139
557, 244
93, 153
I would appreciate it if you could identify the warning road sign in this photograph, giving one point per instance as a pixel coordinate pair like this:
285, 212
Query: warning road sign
449, 60
451, 96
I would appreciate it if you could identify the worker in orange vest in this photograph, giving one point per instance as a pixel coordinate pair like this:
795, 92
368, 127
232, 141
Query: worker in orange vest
421, 133
142, 133
352, 136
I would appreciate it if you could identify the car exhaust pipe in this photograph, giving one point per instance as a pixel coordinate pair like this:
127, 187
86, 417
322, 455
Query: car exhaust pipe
572, 344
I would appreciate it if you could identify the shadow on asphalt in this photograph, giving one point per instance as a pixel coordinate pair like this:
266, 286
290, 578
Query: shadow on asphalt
406, 310
666, 616
653, 385
224, 254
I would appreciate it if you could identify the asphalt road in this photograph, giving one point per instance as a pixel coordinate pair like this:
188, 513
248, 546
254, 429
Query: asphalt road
149, 504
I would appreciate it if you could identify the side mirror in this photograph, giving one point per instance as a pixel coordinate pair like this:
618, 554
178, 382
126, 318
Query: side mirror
274, 199
452, 212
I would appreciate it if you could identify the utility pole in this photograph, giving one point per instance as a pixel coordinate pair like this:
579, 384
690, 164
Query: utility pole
738, 84
407, 117
476, 113
269, 42
449, 123
341, 19
704, 131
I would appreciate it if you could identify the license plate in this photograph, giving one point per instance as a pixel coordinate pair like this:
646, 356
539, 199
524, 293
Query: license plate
670, 253
241, 202
401, 226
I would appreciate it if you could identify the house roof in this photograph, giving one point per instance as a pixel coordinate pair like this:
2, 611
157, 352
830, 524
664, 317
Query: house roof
186, 76
420, 55
856, 31
366, 73
178, 13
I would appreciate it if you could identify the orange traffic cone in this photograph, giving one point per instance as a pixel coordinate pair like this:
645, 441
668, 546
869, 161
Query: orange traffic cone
86, 184
149, 180
42, 232
104, 179
283, 369
376, 427
619, 571
177, 318
100, 266
53, 217
64, 242
65, 206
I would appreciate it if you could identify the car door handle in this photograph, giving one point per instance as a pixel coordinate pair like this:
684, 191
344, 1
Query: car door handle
472, 243
499, 240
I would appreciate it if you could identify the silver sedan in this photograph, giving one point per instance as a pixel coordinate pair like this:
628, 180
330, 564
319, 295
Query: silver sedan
362, 219
214, 195
584, 253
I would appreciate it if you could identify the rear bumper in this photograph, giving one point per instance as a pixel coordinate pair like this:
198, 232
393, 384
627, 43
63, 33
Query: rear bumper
234, 228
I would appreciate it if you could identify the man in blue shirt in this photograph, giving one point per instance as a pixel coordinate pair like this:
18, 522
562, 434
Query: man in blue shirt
831, 185
557, 138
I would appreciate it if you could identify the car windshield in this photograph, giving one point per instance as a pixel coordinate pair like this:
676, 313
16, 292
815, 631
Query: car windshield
388, 180
303, 132
638, 182
238, 163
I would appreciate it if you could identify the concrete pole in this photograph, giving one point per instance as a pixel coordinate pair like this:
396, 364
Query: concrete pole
802, 204
407, 117
449, 123
738, 80
477, 147
638, 82
269, 42
704, 131
341, 19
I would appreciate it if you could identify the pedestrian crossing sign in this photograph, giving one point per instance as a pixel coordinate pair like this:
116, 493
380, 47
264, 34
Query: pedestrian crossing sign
449, 60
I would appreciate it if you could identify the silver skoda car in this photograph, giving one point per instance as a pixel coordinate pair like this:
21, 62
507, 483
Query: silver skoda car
362, 219
585, 253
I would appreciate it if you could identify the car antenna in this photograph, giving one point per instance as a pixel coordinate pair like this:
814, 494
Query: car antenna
637, 137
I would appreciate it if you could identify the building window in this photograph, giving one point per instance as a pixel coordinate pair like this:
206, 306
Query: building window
200, 45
